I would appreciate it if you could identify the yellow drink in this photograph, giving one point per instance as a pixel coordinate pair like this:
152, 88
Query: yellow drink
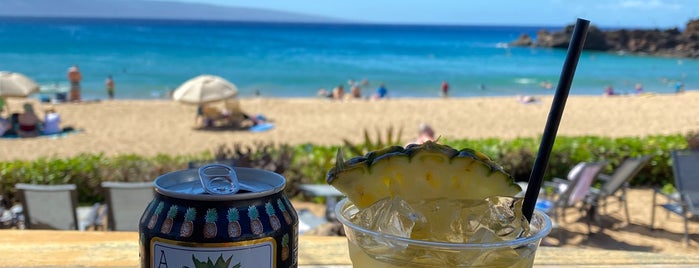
369, 248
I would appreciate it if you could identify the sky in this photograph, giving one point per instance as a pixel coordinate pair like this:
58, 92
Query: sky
603, 13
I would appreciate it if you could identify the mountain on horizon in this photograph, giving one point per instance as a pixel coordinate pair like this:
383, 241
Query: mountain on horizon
135, 9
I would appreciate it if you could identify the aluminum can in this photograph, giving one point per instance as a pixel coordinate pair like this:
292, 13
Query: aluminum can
219, 216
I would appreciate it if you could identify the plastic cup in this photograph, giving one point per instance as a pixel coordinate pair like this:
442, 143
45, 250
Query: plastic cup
369, 248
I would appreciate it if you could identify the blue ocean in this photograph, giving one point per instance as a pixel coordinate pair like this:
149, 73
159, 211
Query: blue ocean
149, 58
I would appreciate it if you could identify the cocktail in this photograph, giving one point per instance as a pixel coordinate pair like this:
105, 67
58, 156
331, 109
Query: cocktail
429, 206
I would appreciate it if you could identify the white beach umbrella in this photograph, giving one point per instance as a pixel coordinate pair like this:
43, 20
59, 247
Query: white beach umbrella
205, 88
16, 85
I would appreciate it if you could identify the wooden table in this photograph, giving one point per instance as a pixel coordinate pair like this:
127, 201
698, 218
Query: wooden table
38, 248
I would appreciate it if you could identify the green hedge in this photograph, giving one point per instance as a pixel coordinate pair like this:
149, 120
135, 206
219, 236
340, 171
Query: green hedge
313, 161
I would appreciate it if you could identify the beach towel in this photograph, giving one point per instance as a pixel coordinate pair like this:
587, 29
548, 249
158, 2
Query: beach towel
61, 134
262, 127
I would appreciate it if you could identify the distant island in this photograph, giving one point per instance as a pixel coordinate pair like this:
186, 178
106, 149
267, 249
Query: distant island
140, 9
670, 42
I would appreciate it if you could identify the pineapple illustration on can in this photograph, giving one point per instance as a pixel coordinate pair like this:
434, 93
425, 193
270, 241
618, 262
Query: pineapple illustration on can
255, 223
273, 219
199, 201
282, 208
210, 225
167, 224
154, 217
233, 224
188, 225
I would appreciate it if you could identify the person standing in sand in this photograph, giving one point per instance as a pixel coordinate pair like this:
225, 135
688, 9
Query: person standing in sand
109, 84
74, 77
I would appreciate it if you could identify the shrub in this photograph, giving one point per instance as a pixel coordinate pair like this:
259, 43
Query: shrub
309, 163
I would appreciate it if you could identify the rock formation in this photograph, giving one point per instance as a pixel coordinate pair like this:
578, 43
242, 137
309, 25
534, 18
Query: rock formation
670, 42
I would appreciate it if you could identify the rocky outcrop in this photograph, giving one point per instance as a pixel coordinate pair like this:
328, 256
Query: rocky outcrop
670, 42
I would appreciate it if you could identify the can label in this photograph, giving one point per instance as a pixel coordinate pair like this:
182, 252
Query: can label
251, 253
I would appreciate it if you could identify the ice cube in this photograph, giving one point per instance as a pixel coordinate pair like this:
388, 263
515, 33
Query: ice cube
447, 220
393, 216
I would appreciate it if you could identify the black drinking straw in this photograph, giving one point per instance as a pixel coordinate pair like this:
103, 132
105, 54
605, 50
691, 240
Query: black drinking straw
559, 101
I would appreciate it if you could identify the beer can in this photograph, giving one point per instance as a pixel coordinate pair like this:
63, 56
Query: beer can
219, 216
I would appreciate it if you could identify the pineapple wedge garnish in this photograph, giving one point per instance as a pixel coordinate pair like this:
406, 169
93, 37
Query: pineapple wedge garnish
420, 172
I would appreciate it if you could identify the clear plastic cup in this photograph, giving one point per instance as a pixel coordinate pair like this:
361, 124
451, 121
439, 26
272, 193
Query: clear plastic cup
369, 248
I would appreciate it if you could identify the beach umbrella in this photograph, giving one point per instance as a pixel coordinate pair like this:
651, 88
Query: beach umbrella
204, 89
16, 85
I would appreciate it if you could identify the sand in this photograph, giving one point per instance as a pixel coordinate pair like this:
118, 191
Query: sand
149, 127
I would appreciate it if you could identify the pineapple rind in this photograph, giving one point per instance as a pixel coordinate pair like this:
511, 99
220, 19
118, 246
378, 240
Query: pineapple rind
421, 172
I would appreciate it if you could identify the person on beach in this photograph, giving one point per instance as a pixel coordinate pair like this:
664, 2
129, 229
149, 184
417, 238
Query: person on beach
381, 92
109, 84
199, 119
424, 133
527, 99
678, 87
52, 122
445, 89
356, 92
74, 77
28, 122
639, 88
609, 91
324, 93
338, 92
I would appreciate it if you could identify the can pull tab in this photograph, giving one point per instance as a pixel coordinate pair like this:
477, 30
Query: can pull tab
218, 179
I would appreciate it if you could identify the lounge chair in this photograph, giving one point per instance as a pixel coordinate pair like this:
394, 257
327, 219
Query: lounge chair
230, 116
331, 197
126, 202
685, 202
615, 185
574, 193
49, 206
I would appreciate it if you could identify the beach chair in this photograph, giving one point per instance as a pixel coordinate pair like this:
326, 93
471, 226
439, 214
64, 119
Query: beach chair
88, 217
49, 206
615, 185
684, 202
126, 202
559, 185
331, 197
574, 194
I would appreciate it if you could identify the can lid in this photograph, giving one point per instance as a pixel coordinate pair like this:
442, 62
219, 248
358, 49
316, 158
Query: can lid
218, 182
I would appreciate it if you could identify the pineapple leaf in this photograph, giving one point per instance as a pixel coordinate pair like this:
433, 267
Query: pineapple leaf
285, 240
281, 206
172, 212
269, 208
253, 213
211, 215
233, 215
190, 214
159, 208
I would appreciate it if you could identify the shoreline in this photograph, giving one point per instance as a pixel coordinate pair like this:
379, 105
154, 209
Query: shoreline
151, 127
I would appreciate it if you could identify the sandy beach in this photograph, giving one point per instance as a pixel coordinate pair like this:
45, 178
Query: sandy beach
160, 126
150, 127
